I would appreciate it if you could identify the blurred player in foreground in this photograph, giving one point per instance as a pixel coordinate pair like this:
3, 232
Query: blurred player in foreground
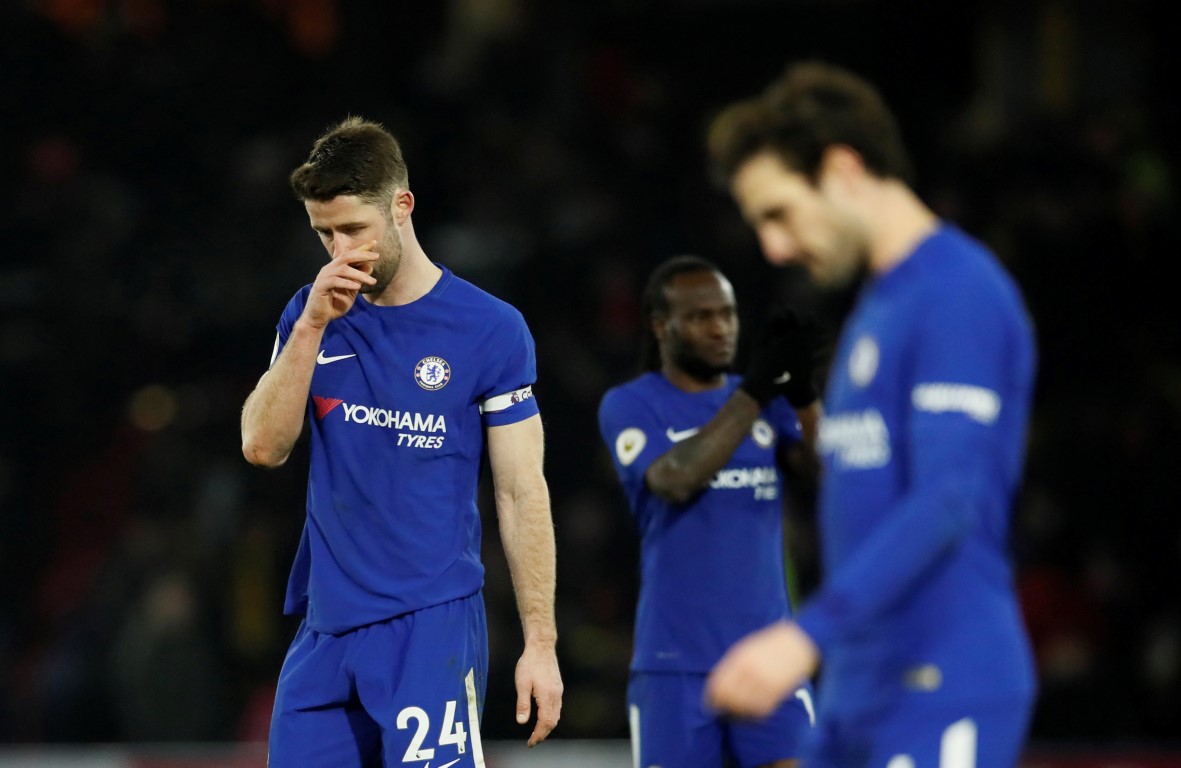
926, 660
699, 453
399, 389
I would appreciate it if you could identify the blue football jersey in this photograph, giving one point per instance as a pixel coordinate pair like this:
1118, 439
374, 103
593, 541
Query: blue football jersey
922, 446
711, 570
398, 405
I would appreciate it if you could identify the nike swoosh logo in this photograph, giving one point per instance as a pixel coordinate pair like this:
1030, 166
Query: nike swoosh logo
782, 378
324, 359
677, 437
445, 765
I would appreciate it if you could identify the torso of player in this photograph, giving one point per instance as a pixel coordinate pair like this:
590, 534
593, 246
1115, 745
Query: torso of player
957, 630
394, 406
712, 568
864, 424
396, 448
873, 390
395, 391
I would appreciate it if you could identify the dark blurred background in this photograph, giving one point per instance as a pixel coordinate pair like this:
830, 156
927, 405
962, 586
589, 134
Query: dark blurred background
555, 149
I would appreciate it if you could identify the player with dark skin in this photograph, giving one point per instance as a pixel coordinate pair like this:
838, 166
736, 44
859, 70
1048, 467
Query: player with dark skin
675, 432
698, 339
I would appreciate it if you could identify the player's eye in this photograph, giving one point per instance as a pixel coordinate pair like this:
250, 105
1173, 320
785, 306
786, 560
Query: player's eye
778, 215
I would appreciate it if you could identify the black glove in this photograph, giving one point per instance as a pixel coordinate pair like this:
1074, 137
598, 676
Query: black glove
783, 360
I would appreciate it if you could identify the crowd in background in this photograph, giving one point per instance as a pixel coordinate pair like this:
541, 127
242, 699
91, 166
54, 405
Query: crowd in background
555, 151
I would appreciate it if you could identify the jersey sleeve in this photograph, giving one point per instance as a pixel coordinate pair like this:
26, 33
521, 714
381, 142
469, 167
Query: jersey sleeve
506, 395
287, 320
966, 359
629, 428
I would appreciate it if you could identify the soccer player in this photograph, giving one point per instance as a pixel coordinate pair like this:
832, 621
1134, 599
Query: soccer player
926, 660
405, 390
698, 451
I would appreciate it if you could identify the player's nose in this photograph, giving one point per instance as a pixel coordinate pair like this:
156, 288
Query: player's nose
721, 326
779, 247
342, 244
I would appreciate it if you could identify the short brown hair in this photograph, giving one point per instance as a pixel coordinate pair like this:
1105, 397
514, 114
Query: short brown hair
355, 157
807, 109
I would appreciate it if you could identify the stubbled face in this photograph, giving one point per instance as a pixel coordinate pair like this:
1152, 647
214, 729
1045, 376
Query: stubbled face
797, 222
346, 223
699, 334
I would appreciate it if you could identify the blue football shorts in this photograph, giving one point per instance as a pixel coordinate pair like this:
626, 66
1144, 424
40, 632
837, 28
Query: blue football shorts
924, 732
409, 690
671, 727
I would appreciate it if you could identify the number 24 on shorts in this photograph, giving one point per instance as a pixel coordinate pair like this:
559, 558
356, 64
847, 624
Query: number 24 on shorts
452, 732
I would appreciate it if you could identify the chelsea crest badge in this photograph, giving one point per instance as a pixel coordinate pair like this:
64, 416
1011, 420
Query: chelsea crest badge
432, 373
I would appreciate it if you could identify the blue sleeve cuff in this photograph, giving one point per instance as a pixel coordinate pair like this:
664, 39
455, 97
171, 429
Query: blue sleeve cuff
509, 408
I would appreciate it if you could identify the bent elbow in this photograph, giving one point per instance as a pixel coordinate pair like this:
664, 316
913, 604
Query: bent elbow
672, 485
675, 494
261, 455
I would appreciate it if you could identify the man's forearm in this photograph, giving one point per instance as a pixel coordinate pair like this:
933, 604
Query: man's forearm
273, 414
686, 467
527, 534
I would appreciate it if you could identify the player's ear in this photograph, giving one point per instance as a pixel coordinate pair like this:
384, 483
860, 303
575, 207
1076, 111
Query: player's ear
401, 206
842, 174
841, 165
659, 325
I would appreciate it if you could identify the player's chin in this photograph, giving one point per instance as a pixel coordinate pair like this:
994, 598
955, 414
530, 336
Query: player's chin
721, 360
837, 272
